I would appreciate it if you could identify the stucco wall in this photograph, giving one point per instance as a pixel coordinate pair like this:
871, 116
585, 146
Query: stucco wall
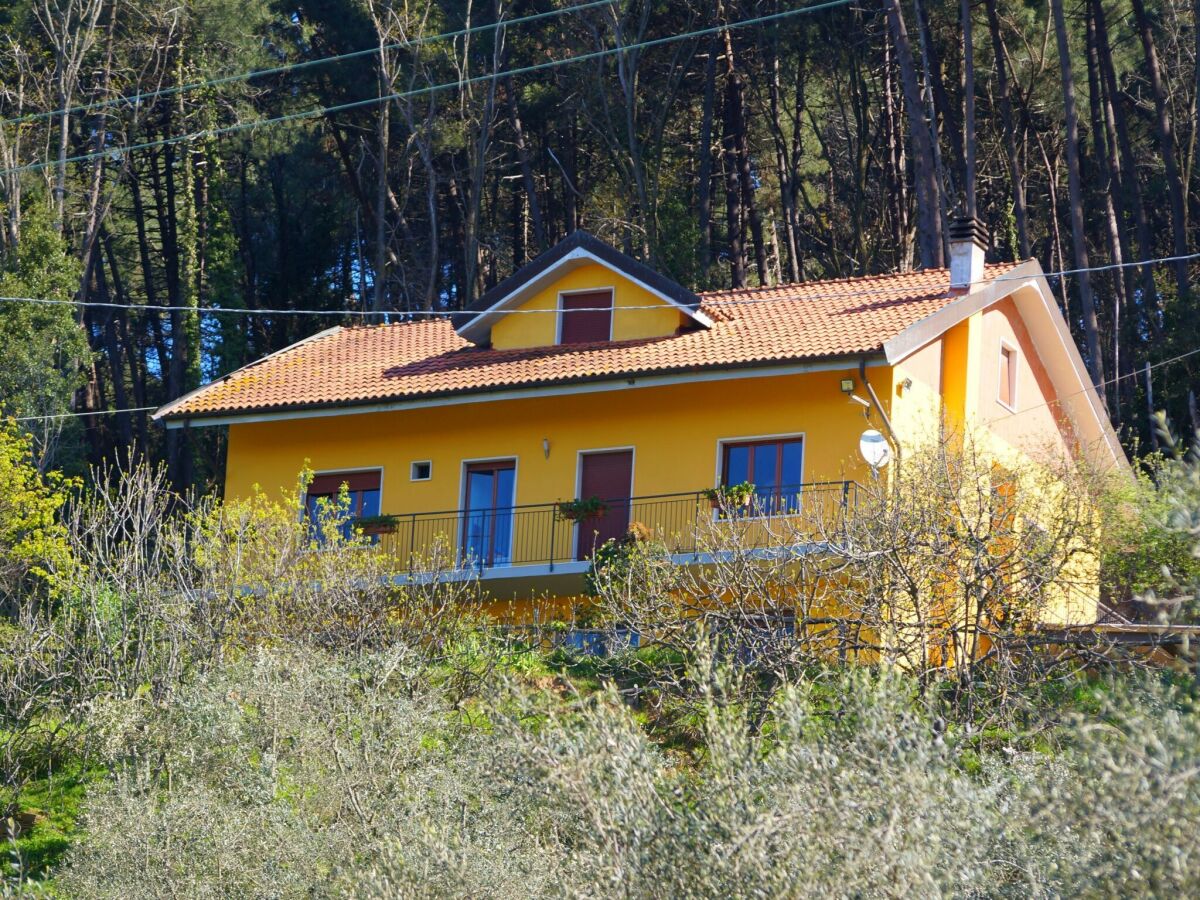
675, 431
1034, 425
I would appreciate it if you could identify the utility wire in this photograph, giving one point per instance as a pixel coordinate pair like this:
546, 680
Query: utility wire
74, 415
1098, 385
138, 98
1056, 401
1152, 366
118, 152
418, 313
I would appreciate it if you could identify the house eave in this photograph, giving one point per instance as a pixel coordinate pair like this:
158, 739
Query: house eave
624, 381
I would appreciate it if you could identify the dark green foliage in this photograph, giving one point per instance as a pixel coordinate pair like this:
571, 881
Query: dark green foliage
285, 217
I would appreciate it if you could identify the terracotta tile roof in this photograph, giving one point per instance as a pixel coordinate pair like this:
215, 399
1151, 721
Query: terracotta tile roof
344, 366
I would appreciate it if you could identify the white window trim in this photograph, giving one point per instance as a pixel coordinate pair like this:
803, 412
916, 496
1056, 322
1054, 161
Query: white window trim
316, 473
612, 316
591, 451
752, 438
1014, 380
462, 498
412, 469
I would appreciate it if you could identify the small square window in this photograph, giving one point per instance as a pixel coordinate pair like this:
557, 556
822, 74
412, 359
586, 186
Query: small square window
421, 471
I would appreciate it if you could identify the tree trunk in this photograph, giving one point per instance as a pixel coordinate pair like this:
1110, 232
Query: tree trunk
897, 177
527, 181
1078, 237
1166, 143
935, 96
1016, 176
705, 159
383, 126
137, 377
733, 201
735, 118
1108, 190
929, 223
968, 109
1151, 305
784, 165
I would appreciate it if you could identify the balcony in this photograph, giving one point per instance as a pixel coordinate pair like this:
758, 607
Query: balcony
542, 543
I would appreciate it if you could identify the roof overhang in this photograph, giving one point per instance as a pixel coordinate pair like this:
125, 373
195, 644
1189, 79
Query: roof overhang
1026, 285
578, 250
620, 382
167, 409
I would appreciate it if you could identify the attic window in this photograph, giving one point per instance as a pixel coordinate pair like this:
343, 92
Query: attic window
586, 317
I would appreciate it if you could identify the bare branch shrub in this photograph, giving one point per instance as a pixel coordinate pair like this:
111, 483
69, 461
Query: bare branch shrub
157, 589
949, 568
958, 561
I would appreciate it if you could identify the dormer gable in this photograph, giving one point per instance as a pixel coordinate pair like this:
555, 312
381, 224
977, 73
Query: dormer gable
580, 291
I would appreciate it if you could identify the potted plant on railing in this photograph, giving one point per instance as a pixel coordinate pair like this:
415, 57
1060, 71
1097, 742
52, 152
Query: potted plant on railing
375, 525
582, 510
730, 496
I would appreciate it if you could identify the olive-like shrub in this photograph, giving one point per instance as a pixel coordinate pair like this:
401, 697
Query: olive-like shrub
298, 774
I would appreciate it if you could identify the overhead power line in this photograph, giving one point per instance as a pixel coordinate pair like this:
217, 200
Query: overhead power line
77, 415
118, 152
140, 97
439, 314
1057, 400
1114, 380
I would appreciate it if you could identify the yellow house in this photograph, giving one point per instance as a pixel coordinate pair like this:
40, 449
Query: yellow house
586, 374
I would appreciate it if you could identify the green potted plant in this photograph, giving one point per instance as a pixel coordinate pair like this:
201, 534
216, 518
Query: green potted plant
581, 510
373, 525
731, 496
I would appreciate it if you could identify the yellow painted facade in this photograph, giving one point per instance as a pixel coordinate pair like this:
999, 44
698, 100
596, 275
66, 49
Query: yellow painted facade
675, 432
953, 383
674, 426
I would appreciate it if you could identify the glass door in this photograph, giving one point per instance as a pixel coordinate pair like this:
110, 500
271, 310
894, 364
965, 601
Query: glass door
488, 518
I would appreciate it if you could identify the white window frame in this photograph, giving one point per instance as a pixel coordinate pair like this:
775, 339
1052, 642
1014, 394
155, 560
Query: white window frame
579, 455
754, 438
558, 319
462, 499
1013, 379
412, 469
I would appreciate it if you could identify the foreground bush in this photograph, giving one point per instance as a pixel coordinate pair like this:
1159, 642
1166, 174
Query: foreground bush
285, 775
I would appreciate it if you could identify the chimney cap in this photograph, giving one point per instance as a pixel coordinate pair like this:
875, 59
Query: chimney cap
969, 228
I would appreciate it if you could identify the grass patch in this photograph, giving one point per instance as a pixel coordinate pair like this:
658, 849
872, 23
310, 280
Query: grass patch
57, 799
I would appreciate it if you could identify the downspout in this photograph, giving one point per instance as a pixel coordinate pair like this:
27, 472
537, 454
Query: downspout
887, 423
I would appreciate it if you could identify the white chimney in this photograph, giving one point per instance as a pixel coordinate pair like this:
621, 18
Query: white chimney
968, 241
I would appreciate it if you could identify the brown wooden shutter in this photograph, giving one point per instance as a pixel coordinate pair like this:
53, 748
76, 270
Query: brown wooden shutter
323, 485
583, 327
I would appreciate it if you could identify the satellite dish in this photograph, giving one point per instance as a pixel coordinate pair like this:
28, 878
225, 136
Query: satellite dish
874, 449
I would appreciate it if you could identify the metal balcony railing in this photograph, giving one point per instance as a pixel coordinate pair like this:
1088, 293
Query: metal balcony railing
541, 535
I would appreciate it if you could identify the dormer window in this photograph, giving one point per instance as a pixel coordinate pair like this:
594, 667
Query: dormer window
585, 317
584, 287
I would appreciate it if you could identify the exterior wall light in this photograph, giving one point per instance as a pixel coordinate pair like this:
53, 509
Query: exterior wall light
546, 447
847, 385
